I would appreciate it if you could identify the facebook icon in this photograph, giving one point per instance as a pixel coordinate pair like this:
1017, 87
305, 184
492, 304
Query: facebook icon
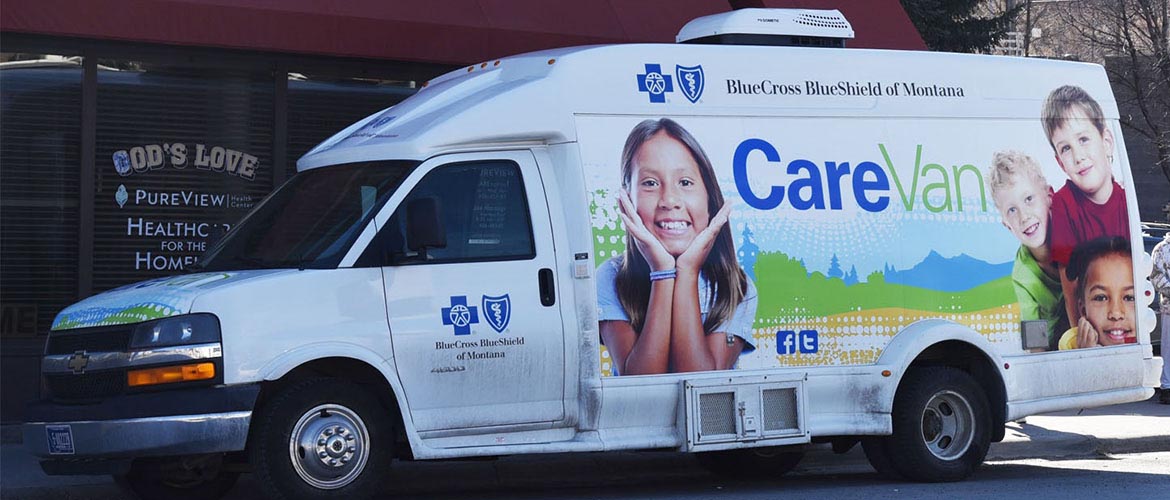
789, 342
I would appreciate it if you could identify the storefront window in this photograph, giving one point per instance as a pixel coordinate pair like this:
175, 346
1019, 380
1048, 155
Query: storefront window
184, 143
319, 106
181, 155
40, 137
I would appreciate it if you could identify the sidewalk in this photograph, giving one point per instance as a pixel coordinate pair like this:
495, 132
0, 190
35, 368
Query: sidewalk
1129, 428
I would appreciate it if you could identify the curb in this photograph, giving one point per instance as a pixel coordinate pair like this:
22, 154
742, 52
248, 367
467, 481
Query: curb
1079, 446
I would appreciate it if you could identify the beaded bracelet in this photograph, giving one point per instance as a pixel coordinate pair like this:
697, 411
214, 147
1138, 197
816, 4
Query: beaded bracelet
668, 274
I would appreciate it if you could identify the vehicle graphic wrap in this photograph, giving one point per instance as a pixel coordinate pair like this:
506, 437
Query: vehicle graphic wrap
145, 301
850, 230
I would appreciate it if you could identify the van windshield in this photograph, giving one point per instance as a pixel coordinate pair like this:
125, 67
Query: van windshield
310, 221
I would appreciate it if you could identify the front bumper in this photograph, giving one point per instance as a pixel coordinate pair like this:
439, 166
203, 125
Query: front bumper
139, 437
176, 422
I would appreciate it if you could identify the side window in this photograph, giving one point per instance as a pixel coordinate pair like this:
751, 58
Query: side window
484, 214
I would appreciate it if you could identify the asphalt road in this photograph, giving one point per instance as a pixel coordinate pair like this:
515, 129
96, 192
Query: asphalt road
1114, 452
1127, 477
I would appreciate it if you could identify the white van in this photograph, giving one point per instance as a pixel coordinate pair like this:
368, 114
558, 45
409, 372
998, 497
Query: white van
736, 251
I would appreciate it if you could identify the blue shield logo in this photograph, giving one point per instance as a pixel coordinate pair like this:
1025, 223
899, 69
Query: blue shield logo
690, 81
497, 311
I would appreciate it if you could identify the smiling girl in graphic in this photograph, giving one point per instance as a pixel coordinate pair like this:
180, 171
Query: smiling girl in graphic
1103, 270
677, 300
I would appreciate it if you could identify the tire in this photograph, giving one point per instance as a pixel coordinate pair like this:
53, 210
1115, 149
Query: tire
942, 426
180, 478
879, 457
750, 463
321, 438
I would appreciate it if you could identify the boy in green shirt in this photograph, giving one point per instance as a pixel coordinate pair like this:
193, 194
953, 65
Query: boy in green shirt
1024, 198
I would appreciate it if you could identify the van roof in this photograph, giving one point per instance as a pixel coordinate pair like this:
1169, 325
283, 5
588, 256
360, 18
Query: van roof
533, 98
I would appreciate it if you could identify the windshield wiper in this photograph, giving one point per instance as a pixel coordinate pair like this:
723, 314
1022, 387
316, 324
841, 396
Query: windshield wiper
304, 262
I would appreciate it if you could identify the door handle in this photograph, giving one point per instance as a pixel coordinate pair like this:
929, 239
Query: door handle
548, 295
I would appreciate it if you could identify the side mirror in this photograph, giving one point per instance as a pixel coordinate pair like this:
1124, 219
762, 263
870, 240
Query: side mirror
424, 225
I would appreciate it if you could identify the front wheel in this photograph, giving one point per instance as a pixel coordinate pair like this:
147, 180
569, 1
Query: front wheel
942, 426
321, 438
200, 477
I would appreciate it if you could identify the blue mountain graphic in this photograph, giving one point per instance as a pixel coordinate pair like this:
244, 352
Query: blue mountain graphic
953, 274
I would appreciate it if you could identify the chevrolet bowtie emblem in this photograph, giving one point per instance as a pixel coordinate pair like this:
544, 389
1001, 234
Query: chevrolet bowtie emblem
78, 361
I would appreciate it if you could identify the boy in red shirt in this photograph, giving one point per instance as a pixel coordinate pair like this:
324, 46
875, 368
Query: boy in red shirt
1090, 204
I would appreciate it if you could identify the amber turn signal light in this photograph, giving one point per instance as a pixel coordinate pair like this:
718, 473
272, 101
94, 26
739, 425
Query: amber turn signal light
170, 374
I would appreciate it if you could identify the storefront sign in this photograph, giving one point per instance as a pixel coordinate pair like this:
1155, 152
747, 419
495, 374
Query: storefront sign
142, 159
161, 205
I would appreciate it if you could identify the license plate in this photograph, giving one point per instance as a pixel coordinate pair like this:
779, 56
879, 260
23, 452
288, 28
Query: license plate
60, 439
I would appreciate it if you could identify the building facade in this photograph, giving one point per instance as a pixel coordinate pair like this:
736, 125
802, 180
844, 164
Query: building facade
135, 132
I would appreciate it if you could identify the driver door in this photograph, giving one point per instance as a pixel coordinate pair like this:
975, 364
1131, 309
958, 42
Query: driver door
476, 328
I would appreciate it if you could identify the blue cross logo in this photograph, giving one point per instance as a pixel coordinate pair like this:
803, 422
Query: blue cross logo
654, 83
460, 315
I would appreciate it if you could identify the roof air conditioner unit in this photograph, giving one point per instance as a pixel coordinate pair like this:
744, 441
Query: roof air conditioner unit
784, 27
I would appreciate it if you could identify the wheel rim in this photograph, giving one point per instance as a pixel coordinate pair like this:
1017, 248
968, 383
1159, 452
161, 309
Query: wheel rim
948, 425
329, 446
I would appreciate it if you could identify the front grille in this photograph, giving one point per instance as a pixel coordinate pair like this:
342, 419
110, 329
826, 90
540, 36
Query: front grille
86, 386
98, 339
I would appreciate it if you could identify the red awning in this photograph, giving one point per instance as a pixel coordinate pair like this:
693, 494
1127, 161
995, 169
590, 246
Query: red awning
442, 31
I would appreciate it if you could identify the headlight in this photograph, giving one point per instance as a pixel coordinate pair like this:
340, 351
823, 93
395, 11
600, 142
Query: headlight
176, 330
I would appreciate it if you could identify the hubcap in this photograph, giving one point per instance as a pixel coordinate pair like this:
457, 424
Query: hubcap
948, 425
329, 446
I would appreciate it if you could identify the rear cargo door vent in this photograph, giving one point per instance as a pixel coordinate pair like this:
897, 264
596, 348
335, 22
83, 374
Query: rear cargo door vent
780, 410
717, 414
764, 410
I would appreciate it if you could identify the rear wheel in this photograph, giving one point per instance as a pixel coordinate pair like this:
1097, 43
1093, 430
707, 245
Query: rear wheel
321, 438
942, 426
750, 463
182, 478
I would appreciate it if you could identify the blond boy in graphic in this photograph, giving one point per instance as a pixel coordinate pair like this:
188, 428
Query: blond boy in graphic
1023, 198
